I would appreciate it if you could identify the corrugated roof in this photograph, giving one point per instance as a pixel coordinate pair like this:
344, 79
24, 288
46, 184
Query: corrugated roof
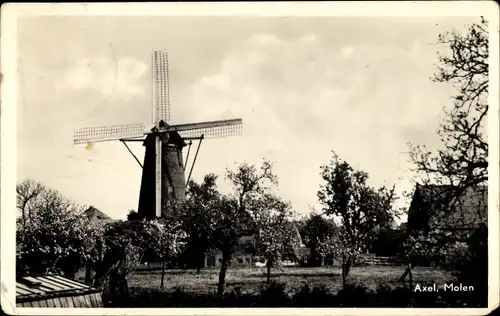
31, 288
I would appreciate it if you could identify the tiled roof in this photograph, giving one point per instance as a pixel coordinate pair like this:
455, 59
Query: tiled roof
470, 209
94, 213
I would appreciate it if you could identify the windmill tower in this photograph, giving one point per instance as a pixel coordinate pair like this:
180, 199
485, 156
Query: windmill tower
163, 169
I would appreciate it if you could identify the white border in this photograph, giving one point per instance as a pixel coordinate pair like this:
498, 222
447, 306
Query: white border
11, 12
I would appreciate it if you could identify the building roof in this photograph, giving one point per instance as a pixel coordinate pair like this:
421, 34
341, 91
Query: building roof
36, 288
93, 213
447, 207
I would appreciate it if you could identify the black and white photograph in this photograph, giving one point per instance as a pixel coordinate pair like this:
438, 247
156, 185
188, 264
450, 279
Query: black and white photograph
292, 155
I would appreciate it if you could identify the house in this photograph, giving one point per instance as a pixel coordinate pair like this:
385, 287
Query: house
245, 255
445, 208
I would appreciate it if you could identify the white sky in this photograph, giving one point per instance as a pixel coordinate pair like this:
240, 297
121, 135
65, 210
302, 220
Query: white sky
303, 86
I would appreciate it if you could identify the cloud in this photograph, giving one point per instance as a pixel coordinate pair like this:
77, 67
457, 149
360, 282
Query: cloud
299, 98
120, 79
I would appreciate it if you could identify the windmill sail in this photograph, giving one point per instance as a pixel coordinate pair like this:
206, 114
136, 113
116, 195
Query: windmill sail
172, 165
211, 129
107, 133
161, 92
164, 144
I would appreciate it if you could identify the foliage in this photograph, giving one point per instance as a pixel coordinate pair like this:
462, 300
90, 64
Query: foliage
361, 208
388, 242
315, 231
132, 215
249, 182
52, 234
198, 218
275, 231
125, 243
462, 162
232, 218
276, 294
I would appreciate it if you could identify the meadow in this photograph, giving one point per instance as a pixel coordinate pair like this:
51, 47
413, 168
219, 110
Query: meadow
251, 280
368, 286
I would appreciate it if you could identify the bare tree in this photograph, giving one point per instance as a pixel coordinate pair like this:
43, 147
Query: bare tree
463, 160
28, 195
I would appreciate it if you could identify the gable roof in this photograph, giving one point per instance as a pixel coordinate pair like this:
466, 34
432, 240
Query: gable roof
93, 213
448, 207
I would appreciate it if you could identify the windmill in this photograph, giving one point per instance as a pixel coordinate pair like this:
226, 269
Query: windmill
163, 170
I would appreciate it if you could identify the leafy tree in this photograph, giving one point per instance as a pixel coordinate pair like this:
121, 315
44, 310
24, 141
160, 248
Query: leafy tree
315, 231
230, 223
124, 245
232, 219
249, 182
133, 215
275, 231
197, 216
462, 161
51, 234
360, 208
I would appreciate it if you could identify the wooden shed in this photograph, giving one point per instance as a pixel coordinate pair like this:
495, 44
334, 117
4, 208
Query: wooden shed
55, 291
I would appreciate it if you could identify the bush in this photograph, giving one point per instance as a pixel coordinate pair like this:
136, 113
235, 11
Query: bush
275, 295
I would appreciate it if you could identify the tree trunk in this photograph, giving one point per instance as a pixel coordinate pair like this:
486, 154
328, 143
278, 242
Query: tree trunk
410, 276
162, 273
269, 263
343, 271
347, 262
407, 271
222, 274
348, 266
88, 274
118, 285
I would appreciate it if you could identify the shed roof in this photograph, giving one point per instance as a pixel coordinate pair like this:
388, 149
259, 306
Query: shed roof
31, 288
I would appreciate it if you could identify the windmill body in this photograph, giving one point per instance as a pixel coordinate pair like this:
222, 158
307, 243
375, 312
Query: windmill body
163, 168
172, 173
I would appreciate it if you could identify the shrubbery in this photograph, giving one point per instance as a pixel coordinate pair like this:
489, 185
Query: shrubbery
276, 295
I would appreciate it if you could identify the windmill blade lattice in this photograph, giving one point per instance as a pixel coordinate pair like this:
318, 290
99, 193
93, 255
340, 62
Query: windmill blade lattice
106, 133
161, 86
213, 129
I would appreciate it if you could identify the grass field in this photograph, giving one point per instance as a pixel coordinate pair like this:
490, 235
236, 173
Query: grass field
250, 280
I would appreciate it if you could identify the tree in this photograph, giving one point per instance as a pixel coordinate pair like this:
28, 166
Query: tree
171, 240
360, 208
231, 223
315, 231
29, 195
462, 162
275, 231
249, 182
133, 215
197, 216
232, 219
126, 242
52, 235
